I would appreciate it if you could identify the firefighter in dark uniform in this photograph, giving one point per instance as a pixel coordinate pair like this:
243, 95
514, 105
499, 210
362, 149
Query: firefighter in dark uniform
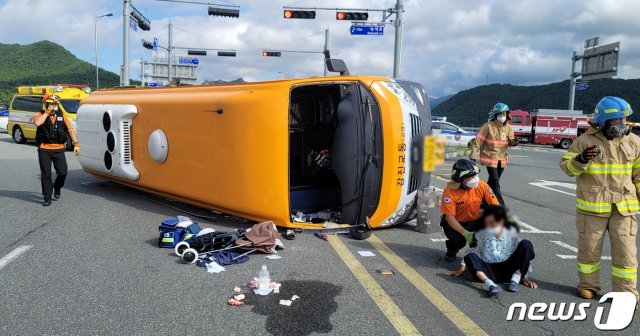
51, 137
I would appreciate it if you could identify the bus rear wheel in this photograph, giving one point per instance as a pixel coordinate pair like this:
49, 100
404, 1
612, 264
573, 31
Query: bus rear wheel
18, 136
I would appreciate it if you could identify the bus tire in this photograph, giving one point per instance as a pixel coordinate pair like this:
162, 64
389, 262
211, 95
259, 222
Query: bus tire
360, 233
565, 143
18, 135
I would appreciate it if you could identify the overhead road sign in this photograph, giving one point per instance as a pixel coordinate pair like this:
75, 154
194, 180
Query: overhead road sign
367, 30
186, 60
155, 84
600, 62
155, 43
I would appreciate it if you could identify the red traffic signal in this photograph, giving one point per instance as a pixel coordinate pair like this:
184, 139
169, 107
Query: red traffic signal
295, 14
352, 16
271, 53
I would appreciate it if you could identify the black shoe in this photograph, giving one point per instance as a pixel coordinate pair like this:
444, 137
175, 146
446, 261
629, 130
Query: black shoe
46, 203
56, 195
449, 258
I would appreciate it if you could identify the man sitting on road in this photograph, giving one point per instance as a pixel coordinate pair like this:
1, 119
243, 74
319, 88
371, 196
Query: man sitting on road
460, 206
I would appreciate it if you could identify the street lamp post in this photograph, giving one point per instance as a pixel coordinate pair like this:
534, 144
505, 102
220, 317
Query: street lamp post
95, 30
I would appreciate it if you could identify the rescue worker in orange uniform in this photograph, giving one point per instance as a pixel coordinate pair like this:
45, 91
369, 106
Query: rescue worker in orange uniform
460, 205
51, 137
606, 163
491, 144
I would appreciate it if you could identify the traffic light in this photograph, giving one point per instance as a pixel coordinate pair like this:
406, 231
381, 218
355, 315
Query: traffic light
296, 14
147, 45
224, 12
227, 53
271, 53
352, 16
140, 19
197, 52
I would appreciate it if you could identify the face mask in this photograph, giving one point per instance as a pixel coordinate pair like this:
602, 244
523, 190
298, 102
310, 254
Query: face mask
494, 231
616, 130
474, 182
55, 108
502, 119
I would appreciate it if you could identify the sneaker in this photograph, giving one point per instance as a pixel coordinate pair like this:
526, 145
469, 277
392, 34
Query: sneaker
46, 203
449, 258
494, 290
513, 287
56, 195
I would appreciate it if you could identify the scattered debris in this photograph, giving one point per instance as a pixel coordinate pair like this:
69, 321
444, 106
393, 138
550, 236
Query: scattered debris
237, 289
321, 235
234, 302
274, 256
366, 254
276, 288
295, 297
213, 267
239, 297
285, 302
385, 272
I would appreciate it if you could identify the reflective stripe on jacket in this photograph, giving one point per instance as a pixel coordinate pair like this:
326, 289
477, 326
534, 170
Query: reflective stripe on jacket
611, 178
491, 144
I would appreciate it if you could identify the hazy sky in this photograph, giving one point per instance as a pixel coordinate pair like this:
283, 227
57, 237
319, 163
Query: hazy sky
448, 45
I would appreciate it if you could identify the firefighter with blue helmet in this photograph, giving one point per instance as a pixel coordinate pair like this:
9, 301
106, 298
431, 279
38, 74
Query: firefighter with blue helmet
491, 145
606, 163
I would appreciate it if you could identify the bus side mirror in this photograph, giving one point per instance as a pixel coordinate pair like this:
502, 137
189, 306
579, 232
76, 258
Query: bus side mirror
337, 65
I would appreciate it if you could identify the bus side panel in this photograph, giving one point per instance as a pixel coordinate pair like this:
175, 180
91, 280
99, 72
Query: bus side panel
234, 161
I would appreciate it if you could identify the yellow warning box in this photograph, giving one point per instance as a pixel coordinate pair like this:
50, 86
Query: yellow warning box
433, 153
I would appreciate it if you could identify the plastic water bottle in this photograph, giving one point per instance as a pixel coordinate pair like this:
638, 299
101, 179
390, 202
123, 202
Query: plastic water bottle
264, 281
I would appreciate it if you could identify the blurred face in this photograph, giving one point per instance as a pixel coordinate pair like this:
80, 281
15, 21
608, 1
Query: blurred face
471, 182
502, 115
614, 122
494, 225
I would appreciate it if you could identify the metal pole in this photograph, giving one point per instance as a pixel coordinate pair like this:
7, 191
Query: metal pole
95, 30
170, 53
397, 52
142, 71
126, 21
572, 81
326, 50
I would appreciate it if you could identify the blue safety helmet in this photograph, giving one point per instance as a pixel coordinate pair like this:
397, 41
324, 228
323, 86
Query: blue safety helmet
611, 108
499, 108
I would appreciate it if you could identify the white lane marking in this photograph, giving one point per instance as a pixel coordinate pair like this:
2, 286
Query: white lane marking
532, 229
518, 156
4, 261
572, 249
573, 256
438, 239
548, 184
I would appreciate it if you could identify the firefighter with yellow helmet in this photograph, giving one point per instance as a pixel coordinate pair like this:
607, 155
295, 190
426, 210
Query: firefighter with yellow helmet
51, 137
606, 163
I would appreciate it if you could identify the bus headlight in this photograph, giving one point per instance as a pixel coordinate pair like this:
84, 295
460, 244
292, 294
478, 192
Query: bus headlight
400, 92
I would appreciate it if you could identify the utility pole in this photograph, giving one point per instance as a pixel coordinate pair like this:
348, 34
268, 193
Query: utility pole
142, 71
126, 21
326, 50
170, 53
397, 50
572, 81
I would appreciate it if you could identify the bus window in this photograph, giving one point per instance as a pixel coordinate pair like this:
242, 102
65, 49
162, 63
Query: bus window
27, 104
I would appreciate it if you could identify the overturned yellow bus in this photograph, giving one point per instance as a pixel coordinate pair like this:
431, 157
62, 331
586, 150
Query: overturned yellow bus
348, 147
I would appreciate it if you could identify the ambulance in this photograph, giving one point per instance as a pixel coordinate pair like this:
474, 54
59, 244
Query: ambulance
298, 152
27, 101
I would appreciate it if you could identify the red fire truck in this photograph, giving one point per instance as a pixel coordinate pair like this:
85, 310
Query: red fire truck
549, 127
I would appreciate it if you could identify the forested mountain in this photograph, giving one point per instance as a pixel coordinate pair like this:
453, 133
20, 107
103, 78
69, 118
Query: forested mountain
471, 107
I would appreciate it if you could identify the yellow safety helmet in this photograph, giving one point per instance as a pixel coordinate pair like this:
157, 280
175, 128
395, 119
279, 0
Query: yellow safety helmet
51, 99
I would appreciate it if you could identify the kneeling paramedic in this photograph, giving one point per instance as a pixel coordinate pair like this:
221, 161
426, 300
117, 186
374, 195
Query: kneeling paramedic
460, 206
606, 163
51, 137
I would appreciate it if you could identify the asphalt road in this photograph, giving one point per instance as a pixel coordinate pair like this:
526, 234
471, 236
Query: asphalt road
88, 265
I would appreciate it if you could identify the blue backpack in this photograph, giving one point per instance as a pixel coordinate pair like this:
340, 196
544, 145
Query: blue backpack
176, 229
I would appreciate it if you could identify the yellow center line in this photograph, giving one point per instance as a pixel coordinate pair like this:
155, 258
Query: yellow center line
379, 296
457, 317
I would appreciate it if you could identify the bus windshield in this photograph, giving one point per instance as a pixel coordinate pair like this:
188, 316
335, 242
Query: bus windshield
70, 105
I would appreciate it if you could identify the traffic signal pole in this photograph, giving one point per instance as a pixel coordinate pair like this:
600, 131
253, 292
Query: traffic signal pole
170, 52
126, 21
397, 50
326, 51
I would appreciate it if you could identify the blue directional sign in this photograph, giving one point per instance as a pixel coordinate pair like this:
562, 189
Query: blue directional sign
184, 60
134, 25
367, 30
155, 43
582, 86
155, 84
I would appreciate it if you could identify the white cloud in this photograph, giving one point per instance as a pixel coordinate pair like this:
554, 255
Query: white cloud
448, 45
